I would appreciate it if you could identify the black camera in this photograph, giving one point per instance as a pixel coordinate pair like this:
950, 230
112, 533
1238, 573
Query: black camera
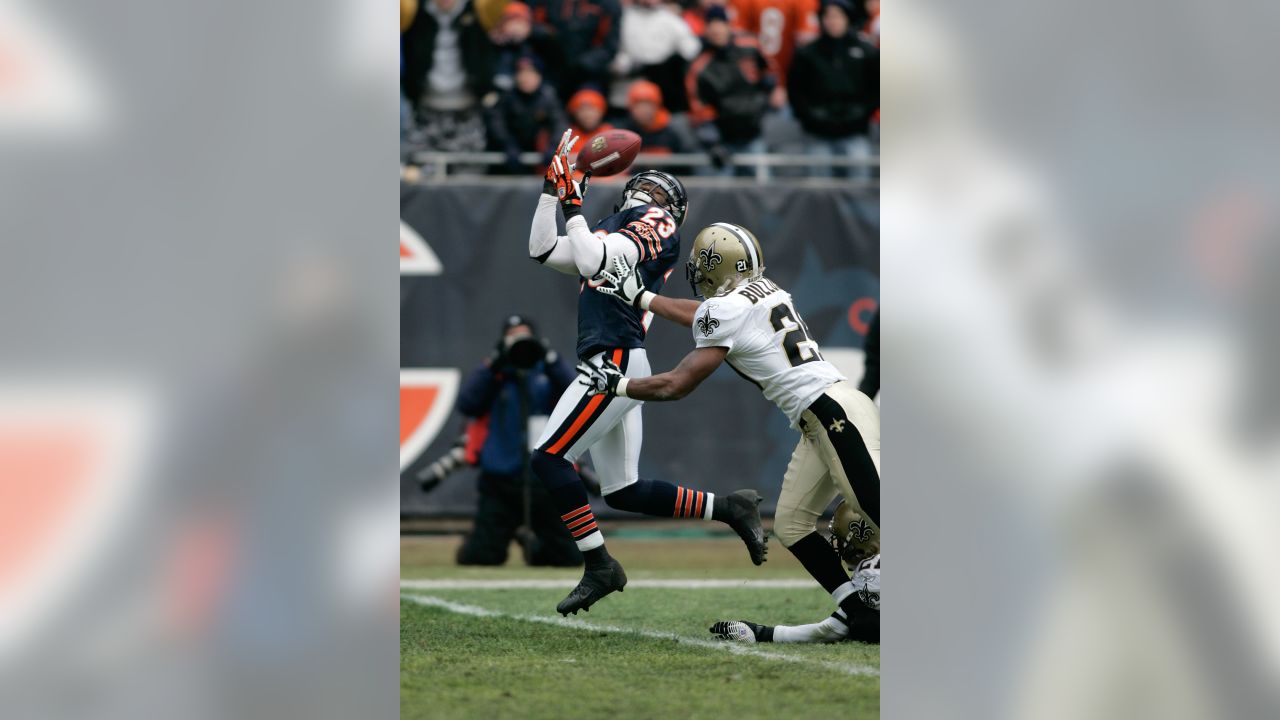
523, 351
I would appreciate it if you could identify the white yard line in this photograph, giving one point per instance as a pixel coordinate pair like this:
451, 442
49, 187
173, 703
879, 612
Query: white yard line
566, 583
576, 624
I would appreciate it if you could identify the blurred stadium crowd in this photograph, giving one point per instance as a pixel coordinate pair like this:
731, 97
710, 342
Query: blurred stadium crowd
720, 77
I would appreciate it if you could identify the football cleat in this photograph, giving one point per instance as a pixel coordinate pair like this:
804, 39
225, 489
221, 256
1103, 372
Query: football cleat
595, 583
744, 518
736, 630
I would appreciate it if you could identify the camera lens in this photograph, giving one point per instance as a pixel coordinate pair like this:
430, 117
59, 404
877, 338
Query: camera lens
525, 352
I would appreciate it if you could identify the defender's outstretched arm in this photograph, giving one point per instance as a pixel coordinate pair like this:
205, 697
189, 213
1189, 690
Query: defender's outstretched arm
677, 310
671, 385
625, 284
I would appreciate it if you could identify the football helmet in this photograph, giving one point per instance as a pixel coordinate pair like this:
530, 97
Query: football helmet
854, 536
652, 187
723, 256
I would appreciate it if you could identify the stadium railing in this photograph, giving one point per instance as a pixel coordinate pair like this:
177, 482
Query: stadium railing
438, 165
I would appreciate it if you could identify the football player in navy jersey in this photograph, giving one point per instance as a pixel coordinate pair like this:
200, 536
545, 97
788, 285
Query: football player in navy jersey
644, 229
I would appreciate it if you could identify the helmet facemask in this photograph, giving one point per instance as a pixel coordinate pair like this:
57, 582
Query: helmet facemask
652, 187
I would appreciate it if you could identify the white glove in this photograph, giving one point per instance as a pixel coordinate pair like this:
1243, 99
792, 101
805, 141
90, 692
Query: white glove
604, 379
625, 284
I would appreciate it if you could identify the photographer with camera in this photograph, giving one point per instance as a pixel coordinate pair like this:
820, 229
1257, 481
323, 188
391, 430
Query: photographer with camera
507, 400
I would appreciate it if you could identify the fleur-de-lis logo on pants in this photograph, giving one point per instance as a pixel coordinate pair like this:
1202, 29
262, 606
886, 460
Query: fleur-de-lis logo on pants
837, 425
709, 257
707, 324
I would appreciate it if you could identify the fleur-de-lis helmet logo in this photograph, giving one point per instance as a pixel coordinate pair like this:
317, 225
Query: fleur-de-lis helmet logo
861, 530
707, 324
709, 258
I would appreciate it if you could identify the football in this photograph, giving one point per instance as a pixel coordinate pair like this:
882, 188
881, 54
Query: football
609, 152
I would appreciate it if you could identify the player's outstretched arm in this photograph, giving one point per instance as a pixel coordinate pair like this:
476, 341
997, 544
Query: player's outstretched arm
580, 251
674, 384
678, 310
625, 284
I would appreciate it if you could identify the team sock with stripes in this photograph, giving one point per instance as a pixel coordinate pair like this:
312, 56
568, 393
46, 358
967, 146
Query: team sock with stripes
663, 499
570, 499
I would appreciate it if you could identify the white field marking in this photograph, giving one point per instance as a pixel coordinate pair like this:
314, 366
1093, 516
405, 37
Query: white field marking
569, 582
575, 624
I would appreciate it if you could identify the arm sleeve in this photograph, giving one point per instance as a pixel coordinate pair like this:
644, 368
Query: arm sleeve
545, 246
590, 251
717, 323
581, 252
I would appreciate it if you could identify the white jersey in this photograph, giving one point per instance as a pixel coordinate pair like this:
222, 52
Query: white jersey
768, 344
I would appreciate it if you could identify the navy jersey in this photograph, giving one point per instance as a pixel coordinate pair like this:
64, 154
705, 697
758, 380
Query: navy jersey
604, 323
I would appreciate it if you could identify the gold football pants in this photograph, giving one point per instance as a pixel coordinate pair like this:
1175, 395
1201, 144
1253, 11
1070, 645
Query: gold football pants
839, 452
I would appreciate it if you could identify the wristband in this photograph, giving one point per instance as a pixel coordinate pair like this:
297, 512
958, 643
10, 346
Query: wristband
621, 389
570, 211
645, 298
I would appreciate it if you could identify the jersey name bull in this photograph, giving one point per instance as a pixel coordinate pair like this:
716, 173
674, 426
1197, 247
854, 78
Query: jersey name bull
758, 290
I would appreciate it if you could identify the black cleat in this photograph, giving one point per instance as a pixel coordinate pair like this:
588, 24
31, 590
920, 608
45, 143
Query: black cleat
738, 631
744, 518
596, 582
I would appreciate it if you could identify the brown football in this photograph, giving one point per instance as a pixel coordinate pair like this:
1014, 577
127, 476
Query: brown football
609, 152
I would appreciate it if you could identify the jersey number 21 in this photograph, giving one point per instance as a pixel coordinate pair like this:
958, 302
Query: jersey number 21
797, 342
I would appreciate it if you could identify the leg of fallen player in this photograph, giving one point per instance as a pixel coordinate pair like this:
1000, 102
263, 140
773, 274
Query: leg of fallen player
807, 490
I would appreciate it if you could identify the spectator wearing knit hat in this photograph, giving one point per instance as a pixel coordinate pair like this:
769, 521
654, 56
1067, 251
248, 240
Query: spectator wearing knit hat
586, 113
731, 86
526, 117
651, 121
515, 36
835, 89
661, 132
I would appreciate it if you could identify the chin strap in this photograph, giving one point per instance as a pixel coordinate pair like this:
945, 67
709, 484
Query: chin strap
633, 199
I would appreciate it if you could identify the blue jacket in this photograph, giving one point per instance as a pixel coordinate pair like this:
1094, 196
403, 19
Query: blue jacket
496, 395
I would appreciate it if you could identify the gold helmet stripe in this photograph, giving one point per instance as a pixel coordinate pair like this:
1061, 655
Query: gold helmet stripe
746, 243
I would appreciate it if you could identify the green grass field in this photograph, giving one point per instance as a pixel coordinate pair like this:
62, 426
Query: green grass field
486, 642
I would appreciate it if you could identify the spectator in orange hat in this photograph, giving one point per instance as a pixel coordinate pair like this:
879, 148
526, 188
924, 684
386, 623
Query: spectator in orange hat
651, 121
515, 36
586, 113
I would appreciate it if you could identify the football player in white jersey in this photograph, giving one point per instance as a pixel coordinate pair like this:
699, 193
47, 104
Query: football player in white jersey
859, 547
749, 322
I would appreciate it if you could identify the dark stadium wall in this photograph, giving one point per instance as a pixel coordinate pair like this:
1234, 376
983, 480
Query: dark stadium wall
821, 243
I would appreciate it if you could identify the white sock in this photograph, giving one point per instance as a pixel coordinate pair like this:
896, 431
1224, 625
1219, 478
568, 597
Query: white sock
842, 592
711, 499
